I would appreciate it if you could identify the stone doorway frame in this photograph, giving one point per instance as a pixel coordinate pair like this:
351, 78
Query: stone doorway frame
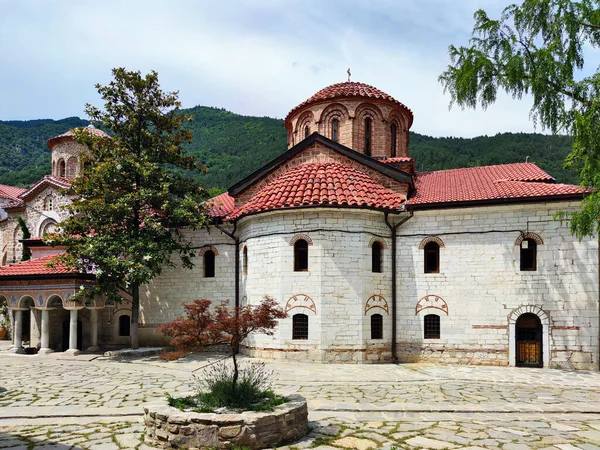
512, 333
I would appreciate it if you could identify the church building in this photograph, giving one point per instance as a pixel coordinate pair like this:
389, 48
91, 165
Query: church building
372, 260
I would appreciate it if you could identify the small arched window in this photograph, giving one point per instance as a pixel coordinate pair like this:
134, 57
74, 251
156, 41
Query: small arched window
300, 256
528, 255
376, 326
124, 325
335, 130
431, 326
393, 140
245, 260
209, 264
368, 136
306, 131
61, 168
376, 254
300, 326
432, 257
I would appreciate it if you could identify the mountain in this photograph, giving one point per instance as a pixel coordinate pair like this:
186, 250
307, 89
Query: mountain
232, 146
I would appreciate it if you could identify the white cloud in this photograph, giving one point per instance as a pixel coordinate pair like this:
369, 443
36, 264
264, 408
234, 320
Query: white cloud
254, 58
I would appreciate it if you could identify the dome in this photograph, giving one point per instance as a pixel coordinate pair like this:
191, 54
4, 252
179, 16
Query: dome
91, 129
348, 89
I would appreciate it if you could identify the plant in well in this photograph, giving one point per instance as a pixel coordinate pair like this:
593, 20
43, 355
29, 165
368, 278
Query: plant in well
225, 385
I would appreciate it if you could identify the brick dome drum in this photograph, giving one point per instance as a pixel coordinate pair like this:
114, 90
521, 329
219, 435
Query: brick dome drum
356, 115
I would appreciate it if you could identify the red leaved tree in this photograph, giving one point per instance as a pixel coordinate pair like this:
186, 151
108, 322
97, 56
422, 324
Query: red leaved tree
202, 327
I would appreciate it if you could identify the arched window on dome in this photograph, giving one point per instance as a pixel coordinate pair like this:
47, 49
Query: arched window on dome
61, 168
306, 131
368, 136
335, 130
394, 140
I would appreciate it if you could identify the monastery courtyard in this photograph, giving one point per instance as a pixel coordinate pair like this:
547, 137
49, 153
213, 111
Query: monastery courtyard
93, 402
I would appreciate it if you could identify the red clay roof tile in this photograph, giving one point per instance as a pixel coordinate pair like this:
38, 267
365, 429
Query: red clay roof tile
504, 181
221, 205
349, 89
321, 184
69, 134
10, 192
34, 267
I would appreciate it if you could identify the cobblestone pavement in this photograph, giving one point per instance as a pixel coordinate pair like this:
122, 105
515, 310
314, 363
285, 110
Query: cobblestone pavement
90, 402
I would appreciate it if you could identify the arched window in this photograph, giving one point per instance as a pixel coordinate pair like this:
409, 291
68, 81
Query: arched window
300, 326
245, 260
528, 255
335, 130
209, 264
393, 140
376, 253
431, 326
432, 257
124, 325
376, 326
306, 131
300, 256
368, 136
61, 168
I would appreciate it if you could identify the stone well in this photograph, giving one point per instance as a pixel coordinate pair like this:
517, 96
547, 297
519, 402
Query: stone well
168, 427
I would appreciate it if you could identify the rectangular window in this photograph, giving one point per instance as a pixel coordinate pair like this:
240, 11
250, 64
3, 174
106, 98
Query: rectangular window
376, 326
300, 326
431, 326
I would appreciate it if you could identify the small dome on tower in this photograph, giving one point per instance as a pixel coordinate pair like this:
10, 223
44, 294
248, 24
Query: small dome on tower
356, 115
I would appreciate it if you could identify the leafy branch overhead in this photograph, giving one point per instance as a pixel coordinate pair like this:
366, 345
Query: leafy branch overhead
538, 49
135, 196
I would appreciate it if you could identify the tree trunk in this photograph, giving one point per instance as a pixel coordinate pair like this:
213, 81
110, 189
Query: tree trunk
135, 314
235, 373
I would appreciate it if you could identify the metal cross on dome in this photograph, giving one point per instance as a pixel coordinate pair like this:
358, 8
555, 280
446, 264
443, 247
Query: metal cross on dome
349, 74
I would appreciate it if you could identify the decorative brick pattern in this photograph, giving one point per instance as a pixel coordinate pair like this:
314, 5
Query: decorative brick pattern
536, 237
429, 239
304, 237
431, 301
376, 301
301, 301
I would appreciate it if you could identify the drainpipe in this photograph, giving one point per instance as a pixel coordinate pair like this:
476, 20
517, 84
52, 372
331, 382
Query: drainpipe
237, 260
393, 229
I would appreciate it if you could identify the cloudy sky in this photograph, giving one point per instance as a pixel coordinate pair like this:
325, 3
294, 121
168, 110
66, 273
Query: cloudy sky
253, 57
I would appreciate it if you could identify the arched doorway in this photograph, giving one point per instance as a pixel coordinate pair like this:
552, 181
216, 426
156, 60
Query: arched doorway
529, 349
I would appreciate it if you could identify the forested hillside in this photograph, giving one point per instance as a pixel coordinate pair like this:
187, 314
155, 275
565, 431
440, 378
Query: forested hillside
232, 146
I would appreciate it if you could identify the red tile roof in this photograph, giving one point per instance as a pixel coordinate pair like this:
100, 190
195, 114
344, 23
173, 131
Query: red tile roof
33, 267
505, 181
59, 182
221, 205
69, 135
10, 192
348, 89
321, 184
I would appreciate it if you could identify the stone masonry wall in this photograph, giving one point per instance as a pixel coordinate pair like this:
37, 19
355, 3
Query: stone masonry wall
481, 283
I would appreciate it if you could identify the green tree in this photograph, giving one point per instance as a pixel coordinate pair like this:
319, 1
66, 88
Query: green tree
135, 196
537, 49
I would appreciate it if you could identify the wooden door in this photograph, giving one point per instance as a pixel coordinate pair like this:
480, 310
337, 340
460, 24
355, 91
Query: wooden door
529, 341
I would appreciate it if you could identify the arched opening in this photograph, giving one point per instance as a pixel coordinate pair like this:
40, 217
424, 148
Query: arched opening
306, 131
393, 140
300, 256
209, 264
528, 255
61, 168
529, 349
335, 124
368, 136
376, 257
431, 257
72, 167
124, 326
431, 326
245, 260
300, 326
376, 326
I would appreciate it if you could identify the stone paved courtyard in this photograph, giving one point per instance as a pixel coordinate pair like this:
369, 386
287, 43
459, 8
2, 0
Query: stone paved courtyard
92, 402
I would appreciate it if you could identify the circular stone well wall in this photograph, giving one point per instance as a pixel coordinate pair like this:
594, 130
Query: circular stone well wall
168, 427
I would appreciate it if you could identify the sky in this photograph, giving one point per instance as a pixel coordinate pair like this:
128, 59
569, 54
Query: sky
252, 57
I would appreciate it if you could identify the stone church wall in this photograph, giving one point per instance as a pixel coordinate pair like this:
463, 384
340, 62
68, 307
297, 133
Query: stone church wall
481, 283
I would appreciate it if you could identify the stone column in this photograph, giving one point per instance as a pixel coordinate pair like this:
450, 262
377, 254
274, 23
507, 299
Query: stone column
73, 333
18, 332
45, 344
94, 330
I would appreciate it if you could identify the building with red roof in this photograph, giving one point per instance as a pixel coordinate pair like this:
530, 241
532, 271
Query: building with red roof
372, 260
